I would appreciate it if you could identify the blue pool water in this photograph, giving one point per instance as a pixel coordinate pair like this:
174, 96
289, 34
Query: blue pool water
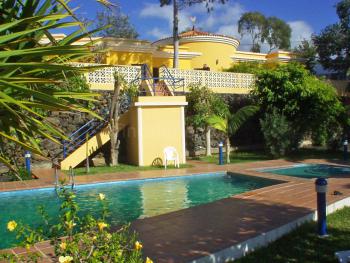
128, 200
310, 170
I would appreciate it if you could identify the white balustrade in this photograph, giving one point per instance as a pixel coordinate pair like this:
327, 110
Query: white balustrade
213, 79
103, 79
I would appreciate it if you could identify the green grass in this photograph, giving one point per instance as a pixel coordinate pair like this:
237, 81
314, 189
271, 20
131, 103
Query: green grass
237, 157
123, 168
253, 156
303, 244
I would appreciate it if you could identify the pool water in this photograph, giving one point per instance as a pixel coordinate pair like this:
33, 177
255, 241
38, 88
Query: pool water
127, 200
310, 170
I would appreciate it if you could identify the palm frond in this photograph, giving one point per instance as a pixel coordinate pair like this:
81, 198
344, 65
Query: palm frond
242, 115
218, 123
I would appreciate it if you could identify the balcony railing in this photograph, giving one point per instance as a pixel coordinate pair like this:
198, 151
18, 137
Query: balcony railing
102, 79
222, 81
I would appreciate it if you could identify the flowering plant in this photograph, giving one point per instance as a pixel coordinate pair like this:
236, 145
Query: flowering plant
79, 239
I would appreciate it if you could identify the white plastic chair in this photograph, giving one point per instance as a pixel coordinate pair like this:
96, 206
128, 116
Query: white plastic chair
170, 154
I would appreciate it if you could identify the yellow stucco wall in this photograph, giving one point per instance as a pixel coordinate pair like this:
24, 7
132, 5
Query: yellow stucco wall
184, 63
128, 58
216, 55
162, 121
161, 128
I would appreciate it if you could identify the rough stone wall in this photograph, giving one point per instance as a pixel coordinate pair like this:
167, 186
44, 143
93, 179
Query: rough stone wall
69, 122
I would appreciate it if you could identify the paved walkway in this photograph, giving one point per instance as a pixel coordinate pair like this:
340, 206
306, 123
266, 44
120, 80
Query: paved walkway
195, 232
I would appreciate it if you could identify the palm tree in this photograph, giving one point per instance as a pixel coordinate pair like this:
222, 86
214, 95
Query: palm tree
29, 67
231, 123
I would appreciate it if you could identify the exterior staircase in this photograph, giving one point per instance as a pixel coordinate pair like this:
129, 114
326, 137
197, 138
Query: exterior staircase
87, 140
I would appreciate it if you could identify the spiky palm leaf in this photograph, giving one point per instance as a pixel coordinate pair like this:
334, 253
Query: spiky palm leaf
237, 119
27, 65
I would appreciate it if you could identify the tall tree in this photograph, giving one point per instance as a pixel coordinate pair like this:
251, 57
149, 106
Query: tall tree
277, 33
119, 24
202, 103
177, 6
254, 24
306, 53
333, 43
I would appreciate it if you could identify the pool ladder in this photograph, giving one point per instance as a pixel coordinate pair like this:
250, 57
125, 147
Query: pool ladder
71, 177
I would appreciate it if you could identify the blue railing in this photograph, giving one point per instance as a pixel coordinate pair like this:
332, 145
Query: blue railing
81, 135
175, 83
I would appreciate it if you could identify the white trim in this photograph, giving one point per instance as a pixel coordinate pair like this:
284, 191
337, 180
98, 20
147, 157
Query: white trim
243, 248
208, 38
139, 135
140, 104
170, 54
183, 138
234, 58
131, 48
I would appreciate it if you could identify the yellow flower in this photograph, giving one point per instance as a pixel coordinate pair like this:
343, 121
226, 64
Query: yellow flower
11, 225
63, 245
65, 259
101, 196
94, 237
70, 224
138, 245
101, 225
148, 260
27, 246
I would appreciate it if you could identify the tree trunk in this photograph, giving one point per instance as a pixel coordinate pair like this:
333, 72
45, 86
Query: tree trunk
228, 150
113, 121
208, 142
176, 34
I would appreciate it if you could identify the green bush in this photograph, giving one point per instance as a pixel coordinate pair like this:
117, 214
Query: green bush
78, 239
310, 105
251, 67
277, 134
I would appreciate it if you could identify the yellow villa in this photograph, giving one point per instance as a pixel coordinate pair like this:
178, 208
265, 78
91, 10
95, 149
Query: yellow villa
156, 119
203, 57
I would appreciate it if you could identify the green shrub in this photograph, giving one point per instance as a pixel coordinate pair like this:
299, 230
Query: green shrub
276, 130
78, 239
251, 67
309, 104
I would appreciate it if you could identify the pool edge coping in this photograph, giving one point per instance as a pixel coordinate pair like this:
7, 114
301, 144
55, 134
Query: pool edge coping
243, 248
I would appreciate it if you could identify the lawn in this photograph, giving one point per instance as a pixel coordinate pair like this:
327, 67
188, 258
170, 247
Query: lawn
123, 168
303, 245
253, 156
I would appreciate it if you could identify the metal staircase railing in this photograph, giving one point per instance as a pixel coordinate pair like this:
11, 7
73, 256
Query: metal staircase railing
175, 83
81, 135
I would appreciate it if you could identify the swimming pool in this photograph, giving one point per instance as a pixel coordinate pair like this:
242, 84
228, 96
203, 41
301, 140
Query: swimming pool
128, 200
309, 170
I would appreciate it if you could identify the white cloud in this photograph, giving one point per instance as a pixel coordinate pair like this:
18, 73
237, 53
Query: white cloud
300, 31
223, 20
166, 13
157, 33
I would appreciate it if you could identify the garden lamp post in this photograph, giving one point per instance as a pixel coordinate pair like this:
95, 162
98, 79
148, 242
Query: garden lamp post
321, 189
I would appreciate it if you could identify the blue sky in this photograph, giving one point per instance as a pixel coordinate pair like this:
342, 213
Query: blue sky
153, 22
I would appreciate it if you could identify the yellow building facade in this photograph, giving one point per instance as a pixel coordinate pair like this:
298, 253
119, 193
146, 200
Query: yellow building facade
197, 50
